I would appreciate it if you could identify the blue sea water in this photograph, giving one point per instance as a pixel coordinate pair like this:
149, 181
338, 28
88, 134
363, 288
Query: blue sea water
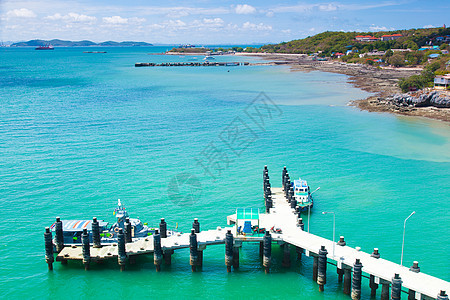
80, 130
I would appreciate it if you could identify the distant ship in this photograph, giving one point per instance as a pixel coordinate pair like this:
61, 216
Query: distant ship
46, 47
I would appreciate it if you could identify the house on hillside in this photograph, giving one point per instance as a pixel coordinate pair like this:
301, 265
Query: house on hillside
425, 48
442, 81
391, 37
366, 38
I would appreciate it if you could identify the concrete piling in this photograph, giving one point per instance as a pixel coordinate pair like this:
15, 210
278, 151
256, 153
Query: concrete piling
193, 250
322, 268
293, 203
299, 251
261, 249
163, 228
236, 257
48, 248
121, 250
301, 224
340, 273
127, 231
96, 233
384, 289
196, 225
157, 250
315, 266
283, 177
167, 255
229, 252
59, 235
286, 255
373, 286
86, 249
267, 252
347, 279
396, 290
411, 294
356, 281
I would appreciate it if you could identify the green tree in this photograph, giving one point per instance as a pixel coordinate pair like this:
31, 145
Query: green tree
397, 60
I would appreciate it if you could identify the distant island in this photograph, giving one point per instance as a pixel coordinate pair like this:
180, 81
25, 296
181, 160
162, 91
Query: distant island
85, 43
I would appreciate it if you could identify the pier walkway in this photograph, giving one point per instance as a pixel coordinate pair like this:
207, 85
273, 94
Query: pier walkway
282, 223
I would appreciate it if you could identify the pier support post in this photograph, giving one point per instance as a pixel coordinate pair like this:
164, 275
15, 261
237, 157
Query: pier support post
411, 294
193, 250
442, 296
286, 263
315, 266
261, 249
49, 259
157, 250
96, 233
347, 279
267, 253
373, 286
385, 290
59, 235
283, 176
163, 228
86, 249
356, 281
340, 273
127, 232
167, 255
269, 203
293, 203
299, 251
229, 250
236, 258
322, 269
196, 225
121, 250
396, 290
301, 224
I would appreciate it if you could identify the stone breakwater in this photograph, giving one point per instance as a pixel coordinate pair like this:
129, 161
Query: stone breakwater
423, 99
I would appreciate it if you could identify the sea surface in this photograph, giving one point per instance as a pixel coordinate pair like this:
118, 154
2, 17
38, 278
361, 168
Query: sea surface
80, 130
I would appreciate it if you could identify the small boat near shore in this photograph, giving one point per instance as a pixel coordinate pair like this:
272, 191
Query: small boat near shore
72, 229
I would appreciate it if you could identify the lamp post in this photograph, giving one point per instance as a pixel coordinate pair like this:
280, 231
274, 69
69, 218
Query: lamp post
309, 206
404, 230
334, 225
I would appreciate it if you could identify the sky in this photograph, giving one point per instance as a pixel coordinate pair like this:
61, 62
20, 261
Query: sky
209, 22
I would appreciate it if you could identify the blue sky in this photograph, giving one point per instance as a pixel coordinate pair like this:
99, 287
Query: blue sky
209, 22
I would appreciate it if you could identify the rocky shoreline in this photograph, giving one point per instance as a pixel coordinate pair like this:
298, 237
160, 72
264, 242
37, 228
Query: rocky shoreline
381, 82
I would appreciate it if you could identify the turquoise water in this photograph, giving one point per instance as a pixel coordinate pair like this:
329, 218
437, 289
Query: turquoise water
78, 131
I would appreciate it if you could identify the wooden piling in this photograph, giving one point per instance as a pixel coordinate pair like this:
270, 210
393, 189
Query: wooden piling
384, 289
299, 251
167, 255
347, 279
315, 266
236, 257
163, 228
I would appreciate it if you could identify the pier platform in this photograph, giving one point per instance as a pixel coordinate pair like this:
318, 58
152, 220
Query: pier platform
282, 224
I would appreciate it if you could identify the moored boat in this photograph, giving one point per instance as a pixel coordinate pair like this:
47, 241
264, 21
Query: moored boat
302, 194
72, 229
46, 47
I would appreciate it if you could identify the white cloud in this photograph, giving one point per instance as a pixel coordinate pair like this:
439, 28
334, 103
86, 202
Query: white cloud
115, 20
72, 17
328, 7
244, 9
252, 26
378, 28
270, 14
216, 22
136, 20
428, 26
312, 29
21, 13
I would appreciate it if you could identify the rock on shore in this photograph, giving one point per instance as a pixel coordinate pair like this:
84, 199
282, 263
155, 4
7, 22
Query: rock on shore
421, 99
